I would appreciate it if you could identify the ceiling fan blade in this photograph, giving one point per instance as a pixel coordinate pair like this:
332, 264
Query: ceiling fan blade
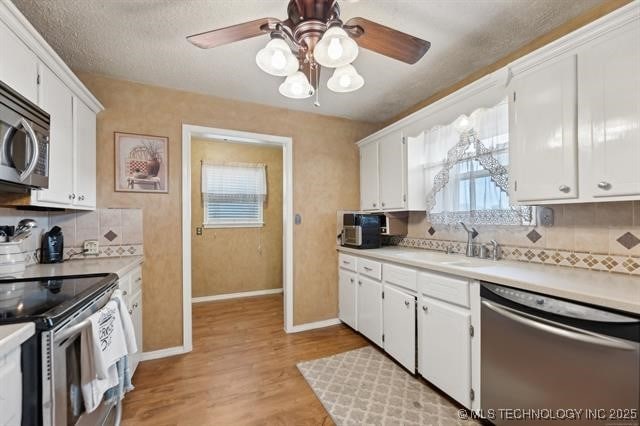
233, 33
387, 41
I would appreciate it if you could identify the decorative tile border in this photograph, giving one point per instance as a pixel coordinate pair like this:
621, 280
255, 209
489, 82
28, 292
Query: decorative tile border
552, 257
107, 251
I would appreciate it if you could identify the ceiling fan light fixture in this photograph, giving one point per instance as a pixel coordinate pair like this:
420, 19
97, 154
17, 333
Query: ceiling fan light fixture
345, 79
335, 48
277, 59
296, 86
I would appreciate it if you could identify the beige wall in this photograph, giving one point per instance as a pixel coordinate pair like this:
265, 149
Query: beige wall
325, 179
234, 260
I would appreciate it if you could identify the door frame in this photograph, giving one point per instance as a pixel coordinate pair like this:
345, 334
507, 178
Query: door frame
188, 132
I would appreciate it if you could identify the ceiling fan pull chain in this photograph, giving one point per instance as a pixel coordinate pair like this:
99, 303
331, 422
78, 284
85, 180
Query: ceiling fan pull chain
317, 102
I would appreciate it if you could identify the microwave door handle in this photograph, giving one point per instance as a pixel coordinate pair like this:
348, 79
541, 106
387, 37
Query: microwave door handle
558, 329
35, 150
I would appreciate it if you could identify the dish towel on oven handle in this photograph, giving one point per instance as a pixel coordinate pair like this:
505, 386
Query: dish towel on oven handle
103, 344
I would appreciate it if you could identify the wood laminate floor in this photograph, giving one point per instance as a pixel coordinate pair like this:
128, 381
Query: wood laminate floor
242, 370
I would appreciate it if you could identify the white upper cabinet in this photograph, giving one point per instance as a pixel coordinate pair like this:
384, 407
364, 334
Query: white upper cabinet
543, 137
56, 99
84, 137
392, 171
369, 177
18, 65
609, 114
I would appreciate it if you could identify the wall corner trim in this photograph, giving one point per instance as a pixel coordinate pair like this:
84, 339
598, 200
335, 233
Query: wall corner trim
313, 325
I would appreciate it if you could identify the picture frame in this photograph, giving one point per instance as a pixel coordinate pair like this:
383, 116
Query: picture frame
141, 163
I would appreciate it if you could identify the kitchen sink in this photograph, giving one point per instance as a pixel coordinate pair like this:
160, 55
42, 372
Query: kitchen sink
445, 259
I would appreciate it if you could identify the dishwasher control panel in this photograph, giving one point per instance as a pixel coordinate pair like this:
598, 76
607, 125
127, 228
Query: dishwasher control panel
557, 306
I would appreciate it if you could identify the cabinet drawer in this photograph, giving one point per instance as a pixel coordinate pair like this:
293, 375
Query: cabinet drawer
403, 277
347, 262
370, 268
444, 287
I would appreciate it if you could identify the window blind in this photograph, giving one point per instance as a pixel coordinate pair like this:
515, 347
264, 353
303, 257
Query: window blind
233, 194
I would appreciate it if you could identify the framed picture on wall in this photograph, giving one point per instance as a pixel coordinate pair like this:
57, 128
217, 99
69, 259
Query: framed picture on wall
142, 163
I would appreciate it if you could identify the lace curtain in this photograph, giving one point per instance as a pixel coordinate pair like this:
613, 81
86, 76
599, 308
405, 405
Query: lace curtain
467, 170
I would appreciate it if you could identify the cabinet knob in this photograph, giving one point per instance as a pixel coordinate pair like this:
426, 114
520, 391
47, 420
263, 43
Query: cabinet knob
604, 185
124, 293
71, 196
359, 282
564, 188
375, 205
130, 311
424, 308
81, 198
406, 303
135, 305
383, 204
351, 280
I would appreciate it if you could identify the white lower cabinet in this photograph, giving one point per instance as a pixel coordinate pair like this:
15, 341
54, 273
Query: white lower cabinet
131, 286
399, 325
369, 309
347, 297
445, 348
10, 388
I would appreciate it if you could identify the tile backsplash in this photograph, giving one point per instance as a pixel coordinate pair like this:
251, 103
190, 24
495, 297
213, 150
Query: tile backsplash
599, 236
118, 231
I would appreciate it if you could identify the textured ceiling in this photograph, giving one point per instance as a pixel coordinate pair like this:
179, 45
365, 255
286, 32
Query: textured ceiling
144, 40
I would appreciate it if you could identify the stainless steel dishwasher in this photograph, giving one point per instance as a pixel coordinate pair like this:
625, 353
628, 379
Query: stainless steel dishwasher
542, 356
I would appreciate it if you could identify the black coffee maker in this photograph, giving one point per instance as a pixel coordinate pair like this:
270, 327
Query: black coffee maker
52, 246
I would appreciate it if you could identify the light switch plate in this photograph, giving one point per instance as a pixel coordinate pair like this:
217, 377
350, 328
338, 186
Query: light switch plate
90, 247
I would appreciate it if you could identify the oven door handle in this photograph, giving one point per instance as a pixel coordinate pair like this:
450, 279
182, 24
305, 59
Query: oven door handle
35, 150
558, 329
74, 329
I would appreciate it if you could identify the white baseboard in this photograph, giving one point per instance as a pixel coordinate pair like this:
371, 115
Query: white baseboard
163, 353
314, 325
235, 295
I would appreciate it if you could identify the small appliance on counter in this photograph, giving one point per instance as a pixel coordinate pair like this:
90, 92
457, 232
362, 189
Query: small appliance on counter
362, 230
52, 246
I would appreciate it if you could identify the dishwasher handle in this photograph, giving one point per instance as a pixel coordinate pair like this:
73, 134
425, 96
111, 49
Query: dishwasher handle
558, 329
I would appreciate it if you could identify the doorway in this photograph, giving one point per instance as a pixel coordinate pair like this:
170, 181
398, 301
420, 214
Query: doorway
194, 141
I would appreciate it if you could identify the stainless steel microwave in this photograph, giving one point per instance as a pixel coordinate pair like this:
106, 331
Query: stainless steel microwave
24, 143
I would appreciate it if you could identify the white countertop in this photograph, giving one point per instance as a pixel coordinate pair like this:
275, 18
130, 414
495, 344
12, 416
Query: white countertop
13, 335
610, 290
116, 265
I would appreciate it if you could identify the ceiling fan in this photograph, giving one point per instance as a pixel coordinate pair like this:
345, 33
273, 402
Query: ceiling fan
313, 35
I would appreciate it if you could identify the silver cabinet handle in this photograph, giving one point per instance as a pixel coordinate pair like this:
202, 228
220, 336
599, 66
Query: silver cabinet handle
346, 262
81, 198
359, 282
135, 305
604, 185
424, 308
351, 280
366, 268
138, 279
71, 196
375, 204
124, 293
564, 188
406, 303
383, 204
130, 311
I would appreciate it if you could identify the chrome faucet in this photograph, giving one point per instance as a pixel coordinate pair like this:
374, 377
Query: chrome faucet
495, 251
471, 234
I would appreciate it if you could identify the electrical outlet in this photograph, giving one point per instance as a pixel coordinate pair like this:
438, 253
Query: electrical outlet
90, 247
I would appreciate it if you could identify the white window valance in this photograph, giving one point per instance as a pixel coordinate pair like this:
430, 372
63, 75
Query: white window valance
233, 194
467, 170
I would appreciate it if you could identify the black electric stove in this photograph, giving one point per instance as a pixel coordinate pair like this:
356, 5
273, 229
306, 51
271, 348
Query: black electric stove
48, 301
51, 303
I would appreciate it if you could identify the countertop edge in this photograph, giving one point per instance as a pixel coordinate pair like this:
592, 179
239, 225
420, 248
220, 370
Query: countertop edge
477, 274
18, 333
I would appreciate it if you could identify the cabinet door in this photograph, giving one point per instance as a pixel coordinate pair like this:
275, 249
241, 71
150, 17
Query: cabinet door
19, 65
135, 309
369, 177
84, 137
399, 324
445, 348
542, 132
347, 297
392, 172
369, 309
56, 99
11, 389
609, 114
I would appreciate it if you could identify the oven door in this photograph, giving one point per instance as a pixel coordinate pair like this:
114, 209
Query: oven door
63, 403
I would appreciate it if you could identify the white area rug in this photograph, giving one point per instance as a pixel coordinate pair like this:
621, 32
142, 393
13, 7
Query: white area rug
364, 387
